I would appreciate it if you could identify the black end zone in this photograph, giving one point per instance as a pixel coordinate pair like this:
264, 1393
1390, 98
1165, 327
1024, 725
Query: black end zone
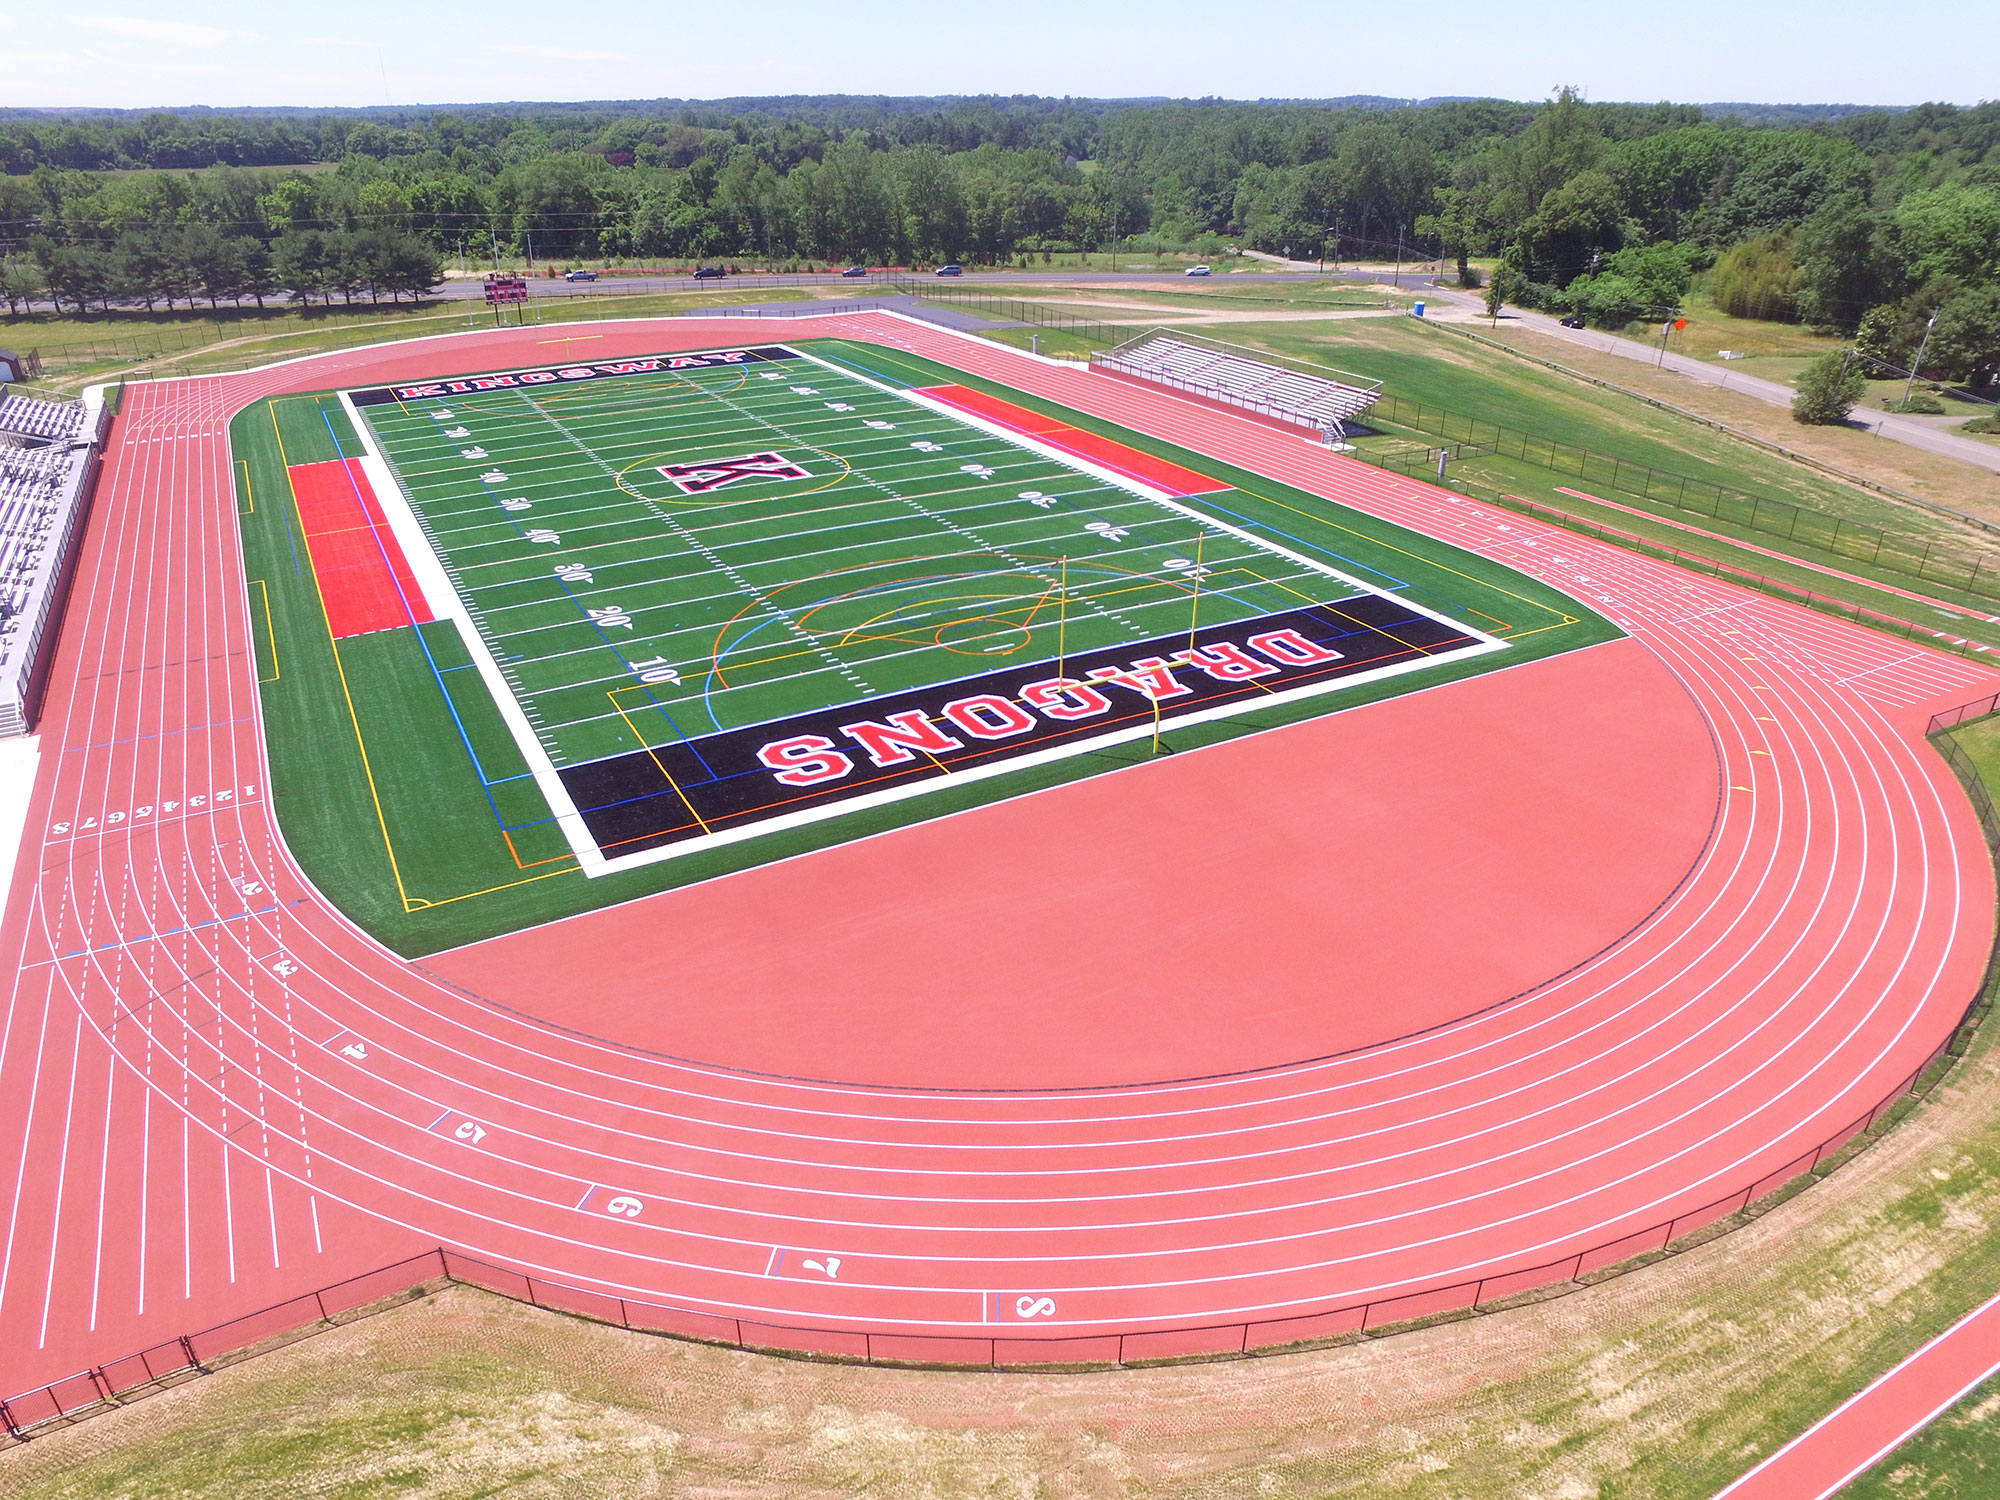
737, 778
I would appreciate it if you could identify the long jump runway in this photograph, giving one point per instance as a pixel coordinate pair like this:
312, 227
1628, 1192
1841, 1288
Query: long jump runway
215, 1093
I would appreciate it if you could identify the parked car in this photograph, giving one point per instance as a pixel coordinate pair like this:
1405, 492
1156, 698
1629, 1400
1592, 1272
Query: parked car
1197, 271
579, 276
1575, 320
709, 273
951, 270
855, 271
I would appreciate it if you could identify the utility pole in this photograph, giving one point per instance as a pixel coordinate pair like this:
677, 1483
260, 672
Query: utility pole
1399, 258
1918, 363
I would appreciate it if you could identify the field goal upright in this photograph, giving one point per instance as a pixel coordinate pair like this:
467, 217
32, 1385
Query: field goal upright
1298, 392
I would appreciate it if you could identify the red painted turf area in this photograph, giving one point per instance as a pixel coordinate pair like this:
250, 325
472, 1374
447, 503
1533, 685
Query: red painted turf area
1292, 894
364, 580
1174, 478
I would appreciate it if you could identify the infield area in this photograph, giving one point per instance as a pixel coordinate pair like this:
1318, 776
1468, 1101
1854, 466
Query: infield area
639, 610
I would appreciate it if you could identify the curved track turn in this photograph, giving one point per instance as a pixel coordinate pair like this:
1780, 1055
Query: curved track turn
182, 1136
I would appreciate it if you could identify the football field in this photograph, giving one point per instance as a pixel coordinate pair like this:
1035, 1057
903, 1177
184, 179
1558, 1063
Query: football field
713, 594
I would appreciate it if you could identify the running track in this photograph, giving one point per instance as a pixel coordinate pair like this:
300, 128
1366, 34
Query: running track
183, 1139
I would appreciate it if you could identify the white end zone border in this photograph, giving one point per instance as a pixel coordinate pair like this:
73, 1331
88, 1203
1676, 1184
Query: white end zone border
445, 603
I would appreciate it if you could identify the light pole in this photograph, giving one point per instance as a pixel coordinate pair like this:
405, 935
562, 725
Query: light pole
1917, 363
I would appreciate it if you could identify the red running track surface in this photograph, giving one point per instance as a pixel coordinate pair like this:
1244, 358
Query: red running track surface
186, 1131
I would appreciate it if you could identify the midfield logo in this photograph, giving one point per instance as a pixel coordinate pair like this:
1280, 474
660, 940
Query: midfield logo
714, 473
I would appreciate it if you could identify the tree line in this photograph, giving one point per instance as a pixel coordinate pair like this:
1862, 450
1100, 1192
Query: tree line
1864, 222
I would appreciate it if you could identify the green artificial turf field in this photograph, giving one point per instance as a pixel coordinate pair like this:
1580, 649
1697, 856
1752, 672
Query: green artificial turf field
649, 565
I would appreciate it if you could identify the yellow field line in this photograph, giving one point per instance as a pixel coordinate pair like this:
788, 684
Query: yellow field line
352, 717
422, 905
244, 465
619, 709
270, 631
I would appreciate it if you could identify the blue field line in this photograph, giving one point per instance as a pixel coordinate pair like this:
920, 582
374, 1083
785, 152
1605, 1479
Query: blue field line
149, 937
1203, 502
411, 616
870, 372
162, 734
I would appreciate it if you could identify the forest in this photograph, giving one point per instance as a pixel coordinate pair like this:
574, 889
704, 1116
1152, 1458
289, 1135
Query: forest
1871, 223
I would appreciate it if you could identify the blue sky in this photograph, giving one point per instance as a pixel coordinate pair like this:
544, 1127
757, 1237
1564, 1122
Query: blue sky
358, 52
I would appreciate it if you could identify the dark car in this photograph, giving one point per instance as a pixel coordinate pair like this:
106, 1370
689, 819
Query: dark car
855, 271
951, 270
709, 273
1575, 320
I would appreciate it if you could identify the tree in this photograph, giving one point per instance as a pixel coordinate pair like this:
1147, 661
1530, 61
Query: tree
1828, 389
299, 263
215, 262
81, 273
1952, 230
1842, 269
1967, 332
1454, 225
1576, 220
1640, 281
20, 281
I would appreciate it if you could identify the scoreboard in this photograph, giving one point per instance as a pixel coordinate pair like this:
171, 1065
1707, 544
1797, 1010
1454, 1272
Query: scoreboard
501, 289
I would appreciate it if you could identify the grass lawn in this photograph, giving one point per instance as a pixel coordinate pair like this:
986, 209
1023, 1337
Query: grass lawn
1458, 375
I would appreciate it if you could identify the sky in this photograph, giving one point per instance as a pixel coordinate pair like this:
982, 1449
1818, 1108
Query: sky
132, 54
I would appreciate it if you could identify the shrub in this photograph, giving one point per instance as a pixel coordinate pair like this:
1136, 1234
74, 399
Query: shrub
1921, 403
1828, 389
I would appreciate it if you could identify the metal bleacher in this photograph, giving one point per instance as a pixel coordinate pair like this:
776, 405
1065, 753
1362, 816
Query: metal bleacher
48, 460
1313, 396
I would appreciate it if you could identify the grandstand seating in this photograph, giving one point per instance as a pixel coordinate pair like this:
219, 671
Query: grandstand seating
47, 458
1207, 369
30, 416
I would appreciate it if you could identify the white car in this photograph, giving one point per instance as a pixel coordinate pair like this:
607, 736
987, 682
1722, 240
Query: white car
1197, 270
